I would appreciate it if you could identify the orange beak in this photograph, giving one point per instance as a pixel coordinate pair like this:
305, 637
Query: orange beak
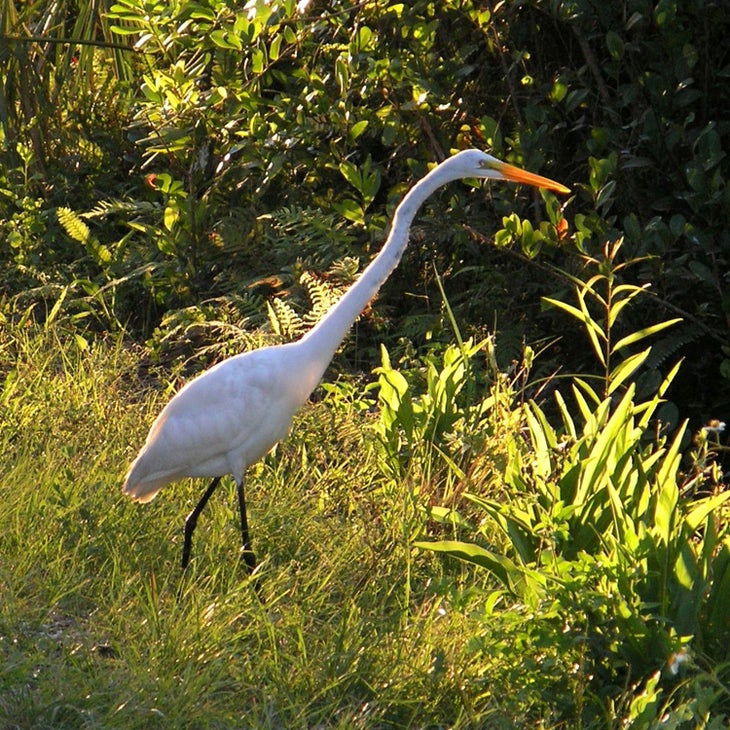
515, 174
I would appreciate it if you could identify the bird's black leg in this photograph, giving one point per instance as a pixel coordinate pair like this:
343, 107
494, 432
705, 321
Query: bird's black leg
246, 551
192, 519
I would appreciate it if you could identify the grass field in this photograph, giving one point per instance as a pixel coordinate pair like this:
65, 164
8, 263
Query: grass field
346, 626
98, 628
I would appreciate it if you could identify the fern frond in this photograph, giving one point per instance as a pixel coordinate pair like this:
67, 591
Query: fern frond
115, 206
665, 348
321, 295
79, 231
345, 270
323, 236
73, 225
283, 319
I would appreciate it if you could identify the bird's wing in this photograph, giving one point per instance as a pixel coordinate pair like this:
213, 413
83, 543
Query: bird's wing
231, 412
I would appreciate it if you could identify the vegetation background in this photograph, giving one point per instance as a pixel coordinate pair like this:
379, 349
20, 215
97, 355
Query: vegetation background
506, 508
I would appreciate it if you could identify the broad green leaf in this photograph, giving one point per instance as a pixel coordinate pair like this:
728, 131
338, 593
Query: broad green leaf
290, 35
275, 47
664, 512
200, 12
615, 44
685, 567
258, 60
364, 36
448, 516
351, 174
350, 209
81, 342
123, 30
518, 525
393, 386
172, 213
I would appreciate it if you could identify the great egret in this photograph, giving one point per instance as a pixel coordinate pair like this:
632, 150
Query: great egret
232, 414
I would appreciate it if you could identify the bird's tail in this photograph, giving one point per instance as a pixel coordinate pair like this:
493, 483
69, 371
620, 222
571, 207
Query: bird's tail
142, 487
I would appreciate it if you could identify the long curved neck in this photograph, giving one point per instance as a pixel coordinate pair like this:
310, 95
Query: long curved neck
321, 342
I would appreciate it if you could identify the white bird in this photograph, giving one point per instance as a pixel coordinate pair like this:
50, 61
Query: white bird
232, 414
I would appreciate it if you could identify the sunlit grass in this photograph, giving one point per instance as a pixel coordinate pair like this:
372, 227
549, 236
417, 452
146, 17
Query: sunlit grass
98, 628
347, 625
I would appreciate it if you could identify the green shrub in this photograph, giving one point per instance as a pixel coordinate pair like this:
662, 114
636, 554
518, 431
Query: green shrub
605, 535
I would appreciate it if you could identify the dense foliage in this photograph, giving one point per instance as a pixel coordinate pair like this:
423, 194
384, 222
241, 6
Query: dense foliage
199, 176
213, 150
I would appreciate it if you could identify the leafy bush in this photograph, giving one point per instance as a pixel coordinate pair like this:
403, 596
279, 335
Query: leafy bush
282, 123
605, 536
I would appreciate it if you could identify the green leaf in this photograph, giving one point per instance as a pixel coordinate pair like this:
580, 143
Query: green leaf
511, 575
275, 47
543, 440
258, 60
56, 307
594, 330
568, 422
643, 333
517, 524
449, 516
224, 39
619, 304
364, 36
341, 73
357, 129
172, 213
351, 173
605, 196
81, 342
703, 507
350, 209
585, 409
625, 369
664, 511
615, 45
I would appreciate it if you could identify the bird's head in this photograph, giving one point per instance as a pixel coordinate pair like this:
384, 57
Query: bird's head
475, 163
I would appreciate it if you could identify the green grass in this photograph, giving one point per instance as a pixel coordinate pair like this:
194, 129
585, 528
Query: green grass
348, 626
98, 628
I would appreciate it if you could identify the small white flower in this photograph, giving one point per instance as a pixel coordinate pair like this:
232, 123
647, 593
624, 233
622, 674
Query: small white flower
714, 426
